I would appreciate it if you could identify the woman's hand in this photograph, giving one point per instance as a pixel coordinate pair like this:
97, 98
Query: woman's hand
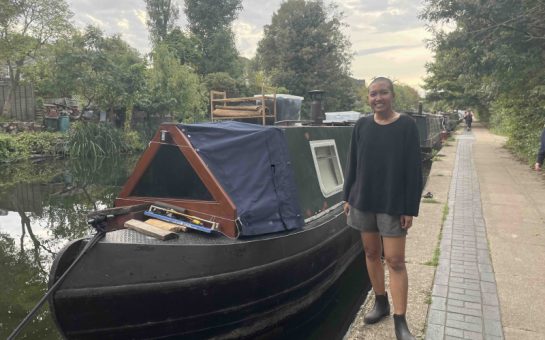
346, 208
406, 221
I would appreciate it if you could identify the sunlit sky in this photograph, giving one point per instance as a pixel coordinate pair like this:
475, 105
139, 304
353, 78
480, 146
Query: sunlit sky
387, 37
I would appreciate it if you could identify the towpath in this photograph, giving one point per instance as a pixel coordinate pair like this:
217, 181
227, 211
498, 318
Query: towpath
476, 253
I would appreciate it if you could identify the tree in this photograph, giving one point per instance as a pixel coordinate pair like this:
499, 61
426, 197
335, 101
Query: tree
210, 21
161, 17
406, 98
492, 61
304, 49
111, 74
25, 28
186, 46
174, 88
105, 71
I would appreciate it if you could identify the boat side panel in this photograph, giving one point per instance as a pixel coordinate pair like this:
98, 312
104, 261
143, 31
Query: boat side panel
312, 201
200, 303
110, 263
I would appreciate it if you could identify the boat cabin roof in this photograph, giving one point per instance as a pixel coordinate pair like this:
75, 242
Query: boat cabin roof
236, 174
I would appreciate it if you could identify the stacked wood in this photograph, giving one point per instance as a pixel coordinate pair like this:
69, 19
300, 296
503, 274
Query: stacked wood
149, 230
166, 225
240, 111
222, 107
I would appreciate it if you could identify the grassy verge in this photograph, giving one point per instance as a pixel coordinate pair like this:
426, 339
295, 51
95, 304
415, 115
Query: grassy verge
437, 252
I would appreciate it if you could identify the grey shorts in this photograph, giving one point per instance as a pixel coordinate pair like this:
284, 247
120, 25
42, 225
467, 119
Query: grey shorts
384, 224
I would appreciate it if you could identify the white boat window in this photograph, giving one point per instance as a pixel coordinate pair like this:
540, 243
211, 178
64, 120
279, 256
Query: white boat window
328, 166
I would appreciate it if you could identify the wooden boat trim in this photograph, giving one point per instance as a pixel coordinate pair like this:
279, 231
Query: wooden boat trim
222, 207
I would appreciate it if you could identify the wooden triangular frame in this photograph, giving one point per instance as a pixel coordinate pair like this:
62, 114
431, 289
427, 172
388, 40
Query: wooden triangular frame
221, 209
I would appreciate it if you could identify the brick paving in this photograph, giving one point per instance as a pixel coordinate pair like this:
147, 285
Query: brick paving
465, 302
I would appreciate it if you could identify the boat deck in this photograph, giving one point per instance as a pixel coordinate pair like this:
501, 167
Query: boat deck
193, 237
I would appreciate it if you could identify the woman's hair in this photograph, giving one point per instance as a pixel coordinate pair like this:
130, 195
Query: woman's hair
390, 83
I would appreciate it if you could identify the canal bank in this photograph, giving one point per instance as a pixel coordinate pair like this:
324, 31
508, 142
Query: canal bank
488, 281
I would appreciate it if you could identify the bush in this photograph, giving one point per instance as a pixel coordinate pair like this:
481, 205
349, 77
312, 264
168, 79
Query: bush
521, 120
23, 145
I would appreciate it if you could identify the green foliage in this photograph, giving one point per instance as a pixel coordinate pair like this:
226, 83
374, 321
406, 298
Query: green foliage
22, 146
134, 141
161, 17
210, 22
174, 88
26, 27
491, 62
406, 98
304, 48
97, 140
104, 71
221, 81
522, 121
186, 47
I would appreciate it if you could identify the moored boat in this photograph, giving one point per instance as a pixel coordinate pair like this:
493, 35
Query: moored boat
279, 239
429, 130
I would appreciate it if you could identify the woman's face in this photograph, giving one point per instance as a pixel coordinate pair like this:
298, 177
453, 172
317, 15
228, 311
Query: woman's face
380, 97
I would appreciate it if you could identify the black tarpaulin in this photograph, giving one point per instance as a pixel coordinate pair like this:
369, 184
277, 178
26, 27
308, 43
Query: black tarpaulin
252, 164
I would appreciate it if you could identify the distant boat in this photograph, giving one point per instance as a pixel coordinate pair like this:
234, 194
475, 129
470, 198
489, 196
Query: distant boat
278, 239
429, 130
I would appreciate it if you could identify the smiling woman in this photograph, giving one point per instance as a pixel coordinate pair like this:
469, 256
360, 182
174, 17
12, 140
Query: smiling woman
382, 194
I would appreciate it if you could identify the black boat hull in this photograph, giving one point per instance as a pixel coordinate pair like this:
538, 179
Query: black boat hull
200, 290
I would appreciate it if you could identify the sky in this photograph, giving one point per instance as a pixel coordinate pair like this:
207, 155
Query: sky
387, 37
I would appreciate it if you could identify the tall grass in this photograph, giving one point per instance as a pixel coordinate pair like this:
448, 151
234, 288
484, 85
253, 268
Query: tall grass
99, 140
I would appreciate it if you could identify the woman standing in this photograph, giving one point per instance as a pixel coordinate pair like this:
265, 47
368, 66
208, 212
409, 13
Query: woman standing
382, 194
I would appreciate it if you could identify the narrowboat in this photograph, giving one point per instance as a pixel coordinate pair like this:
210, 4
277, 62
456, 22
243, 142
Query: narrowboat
429, 130
275, 241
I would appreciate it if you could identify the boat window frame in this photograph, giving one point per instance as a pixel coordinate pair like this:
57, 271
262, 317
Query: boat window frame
322, 143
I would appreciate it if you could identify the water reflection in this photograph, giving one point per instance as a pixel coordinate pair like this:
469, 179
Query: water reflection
42, 206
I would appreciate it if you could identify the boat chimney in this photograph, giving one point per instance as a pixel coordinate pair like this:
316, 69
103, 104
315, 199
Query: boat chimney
420, 108
316, 109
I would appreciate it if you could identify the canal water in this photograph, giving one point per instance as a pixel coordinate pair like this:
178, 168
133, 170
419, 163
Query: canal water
44, 205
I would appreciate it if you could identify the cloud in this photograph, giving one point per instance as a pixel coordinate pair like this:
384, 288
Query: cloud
247, 37
386, 48
387, 35
123, 24
94, 21
142, 15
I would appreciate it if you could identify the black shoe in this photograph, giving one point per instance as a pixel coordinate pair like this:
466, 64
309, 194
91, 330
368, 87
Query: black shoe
402, 330
380, 309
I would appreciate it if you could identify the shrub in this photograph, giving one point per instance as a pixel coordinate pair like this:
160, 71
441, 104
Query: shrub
23, 145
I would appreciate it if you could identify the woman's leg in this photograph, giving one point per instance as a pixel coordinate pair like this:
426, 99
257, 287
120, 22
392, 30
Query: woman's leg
394, 253
373, 251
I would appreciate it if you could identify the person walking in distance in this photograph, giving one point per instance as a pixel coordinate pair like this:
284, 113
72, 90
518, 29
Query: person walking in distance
382, 195
468, 117
541, 152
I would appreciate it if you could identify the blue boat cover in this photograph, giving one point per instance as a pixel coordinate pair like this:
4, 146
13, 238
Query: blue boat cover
252, 164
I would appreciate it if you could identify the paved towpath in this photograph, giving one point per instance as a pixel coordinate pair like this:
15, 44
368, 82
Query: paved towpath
490, 277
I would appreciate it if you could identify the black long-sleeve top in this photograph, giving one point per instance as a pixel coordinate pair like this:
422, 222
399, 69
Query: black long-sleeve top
384, 169
541, 153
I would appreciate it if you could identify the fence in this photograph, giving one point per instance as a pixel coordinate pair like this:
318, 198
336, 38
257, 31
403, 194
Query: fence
23, 103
